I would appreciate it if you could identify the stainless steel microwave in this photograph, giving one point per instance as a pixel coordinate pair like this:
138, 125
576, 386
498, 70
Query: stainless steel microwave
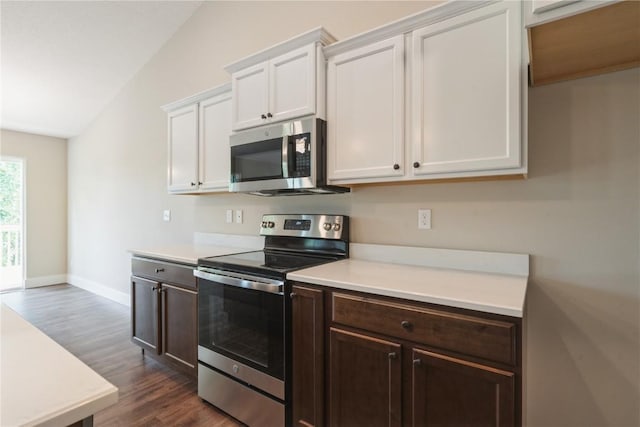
286, 158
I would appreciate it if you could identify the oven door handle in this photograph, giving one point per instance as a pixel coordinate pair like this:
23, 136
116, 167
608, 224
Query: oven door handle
240, 282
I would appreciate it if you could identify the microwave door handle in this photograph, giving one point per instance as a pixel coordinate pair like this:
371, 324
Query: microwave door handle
285, 156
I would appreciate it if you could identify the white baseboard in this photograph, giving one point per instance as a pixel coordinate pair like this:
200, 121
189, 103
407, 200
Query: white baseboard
36, 282
99, 289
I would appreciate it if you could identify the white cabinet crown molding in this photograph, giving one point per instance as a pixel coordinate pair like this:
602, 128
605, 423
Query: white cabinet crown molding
404, 25
318, 34
197, 97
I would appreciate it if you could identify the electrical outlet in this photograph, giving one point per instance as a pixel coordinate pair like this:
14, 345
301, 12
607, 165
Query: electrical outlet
239, 216
166, 215
424, 219
229, 218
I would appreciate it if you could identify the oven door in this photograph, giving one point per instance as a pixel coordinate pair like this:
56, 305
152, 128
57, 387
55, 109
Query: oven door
242, 317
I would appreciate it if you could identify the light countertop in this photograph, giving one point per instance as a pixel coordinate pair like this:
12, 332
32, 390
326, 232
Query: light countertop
488, 291
187, 254
42, 383
204, 245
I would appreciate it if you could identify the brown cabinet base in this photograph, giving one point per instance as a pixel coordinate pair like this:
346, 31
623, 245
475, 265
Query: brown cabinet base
164, 317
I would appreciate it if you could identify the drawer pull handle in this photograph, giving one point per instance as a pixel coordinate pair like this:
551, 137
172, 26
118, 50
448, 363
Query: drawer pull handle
405, 324
159, 270
392, 355
417, 362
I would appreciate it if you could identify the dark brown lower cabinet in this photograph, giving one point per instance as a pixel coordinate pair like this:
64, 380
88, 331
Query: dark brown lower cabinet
307, 308
144, 314
452, 392
366, 380
391, 362
164, 315
179, 326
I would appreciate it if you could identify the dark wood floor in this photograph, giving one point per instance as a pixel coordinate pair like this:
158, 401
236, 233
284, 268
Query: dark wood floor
97, 331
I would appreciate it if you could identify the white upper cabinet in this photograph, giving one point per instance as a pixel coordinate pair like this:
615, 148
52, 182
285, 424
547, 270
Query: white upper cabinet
365, 111
440, 94
198, 132
280, 83
213, 137
292, 84
465, 99
251, 94
183, 149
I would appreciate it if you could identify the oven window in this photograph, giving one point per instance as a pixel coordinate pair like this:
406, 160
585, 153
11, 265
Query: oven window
257, 160
243, 324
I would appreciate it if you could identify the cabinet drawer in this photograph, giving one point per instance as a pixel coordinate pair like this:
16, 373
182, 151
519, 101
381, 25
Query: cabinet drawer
485, 338
164, 272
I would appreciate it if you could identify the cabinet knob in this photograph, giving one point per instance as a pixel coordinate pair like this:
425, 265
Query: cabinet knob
199, 183
269, 115
159, 270
155, 288
396, 166
417, 362
392, 355
416, 164
193, 184
405, 324
263, 117
292, 294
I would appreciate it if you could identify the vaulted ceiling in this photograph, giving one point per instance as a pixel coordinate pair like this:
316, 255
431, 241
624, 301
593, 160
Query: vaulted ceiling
61, 62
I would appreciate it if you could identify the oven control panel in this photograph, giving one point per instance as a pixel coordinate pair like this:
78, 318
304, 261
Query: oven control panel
305, 225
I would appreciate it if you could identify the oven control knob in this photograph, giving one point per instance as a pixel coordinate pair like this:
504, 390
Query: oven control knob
336, 227
327, 226
271, 224
235, 368
264, 224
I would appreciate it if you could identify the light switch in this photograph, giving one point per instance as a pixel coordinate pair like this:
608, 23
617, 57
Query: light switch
239, 216
166, 215
229, 218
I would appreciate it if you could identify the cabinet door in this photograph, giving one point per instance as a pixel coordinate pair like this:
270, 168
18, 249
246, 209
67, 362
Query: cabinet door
365, 112
454, 392
183, 149
307, 323
179, 326
365, 381
292, 84
145, 326
466, 92
250, 94
214, 155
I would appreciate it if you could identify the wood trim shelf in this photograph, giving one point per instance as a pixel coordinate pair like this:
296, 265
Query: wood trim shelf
595, 42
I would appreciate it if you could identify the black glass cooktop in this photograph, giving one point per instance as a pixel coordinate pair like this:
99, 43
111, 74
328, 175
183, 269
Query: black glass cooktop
264, 263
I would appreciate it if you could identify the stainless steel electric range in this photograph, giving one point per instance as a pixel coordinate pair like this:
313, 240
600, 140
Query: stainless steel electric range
244, 313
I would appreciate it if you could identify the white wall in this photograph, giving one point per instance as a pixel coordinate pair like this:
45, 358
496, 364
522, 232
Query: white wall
45, 160
577, 215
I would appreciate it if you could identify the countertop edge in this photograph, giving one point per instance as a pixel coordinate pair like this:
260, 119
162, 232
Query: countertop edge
469, 305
